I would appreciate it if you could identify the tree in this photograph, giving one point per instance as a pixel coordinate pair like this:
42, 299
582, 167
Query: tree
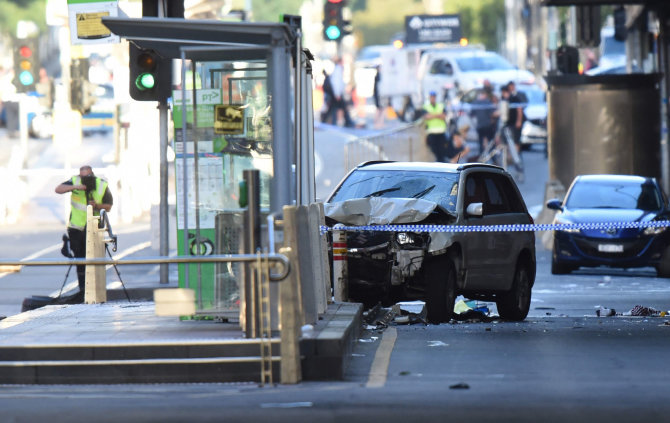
381, 19
13, 11
270, 10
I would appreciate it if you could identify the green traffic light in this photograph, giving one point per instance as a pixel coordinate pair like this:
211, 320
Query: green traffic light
145, 81
333, 32
26, 78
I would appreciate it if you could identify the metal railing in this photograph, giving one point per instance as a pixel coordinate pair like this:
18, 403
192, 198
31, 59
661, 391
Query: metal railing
405, 143
220, 258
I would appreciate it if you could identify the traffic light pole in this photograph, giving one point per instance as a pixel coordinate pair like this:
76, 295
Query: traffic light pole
163, 207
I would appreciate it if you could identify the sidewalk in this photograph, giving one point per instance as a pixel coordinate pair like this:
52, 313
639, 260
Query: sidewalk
125, 342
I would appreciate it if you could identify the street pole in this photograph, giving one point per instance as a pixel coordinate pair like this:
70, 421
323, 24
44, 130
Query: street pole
164, 224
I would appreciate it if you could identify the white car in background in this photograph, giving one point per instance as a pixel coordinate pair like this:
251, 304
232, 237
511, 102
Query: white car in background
451, 72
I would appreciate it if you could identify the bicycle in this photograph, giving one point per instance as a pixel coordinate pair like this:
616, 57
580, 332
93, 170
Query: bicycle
503, 153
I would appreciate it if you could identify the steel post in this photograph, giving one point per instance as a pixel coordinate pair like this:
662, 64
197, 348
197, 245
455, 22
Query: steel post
282, 183
252, 244
164, 222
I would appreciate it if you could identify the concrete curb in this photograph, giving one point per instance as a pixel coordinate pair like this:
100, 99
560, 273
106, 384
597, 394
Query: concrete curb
327, 352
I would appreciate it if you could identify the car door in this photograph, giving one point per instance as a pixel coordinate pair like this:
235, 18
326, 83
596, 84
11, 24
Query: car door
478, 247
503, 248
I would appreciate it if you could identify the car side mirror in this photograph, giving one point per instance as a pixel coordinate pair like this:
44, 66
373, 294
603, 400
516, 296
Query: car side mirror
475, 209
555, 204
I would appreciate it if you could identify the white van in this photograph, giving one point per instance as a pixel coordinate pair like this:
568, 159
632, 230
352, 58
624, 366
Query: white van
450, 72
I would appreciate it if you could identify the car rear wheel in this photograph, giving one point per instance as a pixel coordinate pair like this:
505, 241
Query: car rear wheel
515, 304
440, 278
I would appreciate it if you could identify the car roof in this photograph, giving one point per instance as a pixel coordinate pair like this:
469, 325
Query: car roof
612, 178
464, 52
424, 166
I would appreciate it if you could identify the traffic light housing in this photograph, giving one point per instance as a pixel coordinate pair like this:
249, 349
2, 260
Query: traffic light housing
567, 59
82, 90
150, 75
334, 25
26, 64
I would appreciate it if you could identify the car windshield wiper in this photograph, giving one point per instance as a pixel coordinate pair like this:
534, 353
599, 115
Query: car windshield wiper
382, 191
424, 192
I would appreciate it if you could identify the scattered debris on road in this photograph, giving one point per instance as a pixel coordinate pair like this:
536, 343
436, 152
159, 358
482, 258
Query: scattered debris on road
638, 310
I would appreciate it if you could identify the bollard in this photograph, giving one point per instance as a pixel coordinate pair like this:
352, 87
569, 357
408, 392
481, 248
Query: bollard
340, 283
96, 284
290, 304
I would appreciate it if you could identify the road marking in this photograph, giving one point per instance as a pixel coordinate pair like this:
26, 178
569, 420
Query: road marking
380, 364
35, 255
301, 404
130, 250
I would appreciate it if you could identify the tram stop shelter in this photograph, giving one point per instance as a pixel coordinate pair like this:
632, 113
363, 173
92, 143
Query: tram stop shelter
243, 103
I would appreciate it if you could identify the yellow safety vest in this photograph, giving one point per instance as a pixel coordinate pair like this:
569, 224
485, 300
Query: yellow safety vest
435, 125
78, 202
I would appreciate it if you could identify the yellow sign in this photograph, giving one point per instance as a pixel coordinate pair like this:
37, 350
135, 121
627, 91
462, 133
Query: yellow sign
228, 119
89, 26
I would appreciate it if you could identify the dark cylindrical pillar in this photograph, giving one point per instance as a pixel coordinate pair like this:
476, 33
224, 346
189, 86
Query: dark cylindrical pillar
252, 226
603, 124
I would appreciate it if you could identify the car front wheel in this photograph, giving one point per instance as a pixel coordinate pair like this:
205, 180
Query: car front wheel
515, 304
558, 268
440, 278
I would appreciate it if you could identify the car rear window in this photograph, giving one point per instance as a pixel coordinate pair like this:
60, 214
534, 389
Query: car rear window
616, 195
439, 187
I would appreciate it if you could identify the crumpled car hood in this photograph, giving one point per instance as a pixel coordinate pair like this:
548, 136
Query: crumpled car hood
387, 211
379, 211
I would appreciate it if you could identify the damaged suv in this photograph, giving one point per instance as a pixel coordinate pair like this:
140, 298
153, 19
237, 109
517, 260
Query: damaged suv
409, 263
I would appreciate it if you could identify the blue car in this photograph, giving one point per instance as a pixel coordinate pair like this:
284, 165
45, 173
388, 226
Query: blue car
611, 198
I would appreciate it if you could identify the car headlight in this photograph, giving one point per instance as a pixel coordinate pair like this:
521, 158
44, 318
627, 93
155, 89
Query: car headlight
567, 230
404, 238
654, 230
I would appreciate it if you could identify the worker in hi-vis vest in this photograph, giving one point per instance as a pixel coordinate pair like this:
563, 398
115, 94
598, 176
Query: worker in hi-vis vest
436, 127
86, 188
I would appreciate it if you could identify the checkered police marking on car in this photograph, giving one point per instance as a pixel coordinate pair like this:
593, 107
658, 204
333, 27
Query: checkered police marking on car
500, 228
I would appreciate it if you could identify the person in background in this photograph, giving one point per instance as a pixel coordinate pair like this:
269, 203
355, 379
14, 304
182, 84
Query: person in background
339, 104
457, 149
515, 114
379, 109
436, 126
484, 110
327, 111
86, 189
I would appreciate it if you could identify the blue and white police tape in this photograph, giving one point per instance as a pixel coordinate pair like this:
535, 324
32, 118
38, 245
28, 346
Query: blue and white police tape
500, 228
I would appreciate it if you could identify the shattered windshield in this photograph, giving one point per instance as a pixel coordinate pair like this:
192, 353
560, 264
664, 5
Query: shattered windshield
438, 187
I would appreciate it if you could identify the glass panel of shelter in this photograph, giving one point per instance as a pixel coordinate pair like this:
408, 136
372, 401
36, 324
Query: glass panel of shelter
229, 124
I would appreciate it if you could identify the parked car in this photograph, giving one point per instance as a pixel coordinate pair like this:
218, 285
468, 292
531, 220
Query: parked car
613, 70
611, 198
534, 129
451, 73
612, 51
410, 264
102, 116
